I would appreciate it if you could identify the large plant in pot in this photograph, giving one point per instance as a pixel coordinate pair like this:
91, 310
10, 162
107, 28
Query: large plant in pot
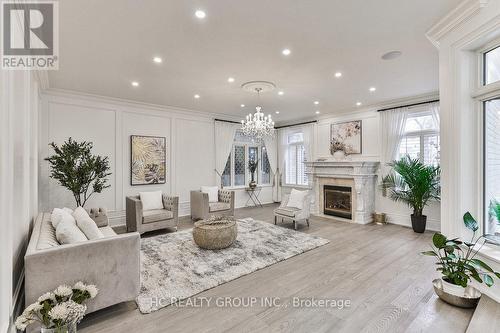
415, 184
75, 167
457, 262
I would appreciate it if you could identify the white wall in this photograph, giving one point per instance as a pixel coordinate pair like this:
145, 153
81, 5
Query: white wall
459, 36
18, 181
109, 123
397, 213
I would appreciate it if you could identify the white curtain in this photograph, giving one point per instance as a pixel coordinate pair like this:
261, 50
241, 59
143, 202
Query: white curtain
307, 132
282, 151
271, 143
224, 137
392, 124
434, 107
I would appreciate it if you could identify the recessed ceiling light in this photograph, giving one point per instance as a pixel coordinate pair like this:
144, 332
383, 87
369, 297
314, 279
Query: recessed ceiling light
158, 60
286, 52
200, 14
391, 55
134, 84
277, 112
242, 105
317, 112
230, 79
316, 102
338, 74
372, 89
196, 96
281, 93
358, 103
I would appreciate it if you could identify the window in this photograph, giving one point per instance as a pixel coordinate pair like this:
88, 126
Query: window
491, 61
492, 166
246, 149
421, 138
294, 160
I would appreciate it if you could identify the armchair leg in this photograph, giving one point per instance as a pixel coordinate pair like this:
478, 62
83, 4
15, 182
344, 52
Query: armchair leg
295, 224
307, 220
275, 219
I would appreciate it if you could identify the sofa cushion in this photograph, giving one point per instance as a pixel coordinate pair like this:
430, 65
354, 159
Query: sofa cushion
287, 211
59, 214
151, 200
212, 191
47, 237
107, 231
67, 232
218, 206
155, 215
86, 224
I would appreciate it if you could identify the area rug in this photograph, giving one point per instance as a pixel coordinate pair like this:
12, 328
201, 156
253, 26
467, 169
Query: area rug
174, 268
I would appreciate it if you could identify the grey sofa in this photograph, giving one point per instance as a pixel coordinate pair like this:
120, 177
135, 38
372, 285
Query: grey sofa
111, 263
148, 220
201, 209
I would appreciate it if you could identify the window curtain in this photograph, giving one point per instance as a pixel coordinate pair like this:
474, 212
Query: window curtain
392, 123
434, 107
307, 132
224, 138
271, 143
282, 150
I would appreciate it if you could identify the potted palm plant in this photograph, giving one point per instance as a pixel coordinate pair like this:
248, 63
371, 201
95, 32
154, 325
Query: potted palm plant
457, 262
413, 183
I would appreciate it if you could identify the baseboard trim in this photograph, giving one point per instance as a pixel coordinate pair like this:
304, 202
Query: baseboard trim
405, 220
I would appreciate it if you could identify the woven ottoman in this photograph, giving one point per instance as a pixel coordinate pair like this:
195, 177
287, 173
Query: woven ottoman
215, 233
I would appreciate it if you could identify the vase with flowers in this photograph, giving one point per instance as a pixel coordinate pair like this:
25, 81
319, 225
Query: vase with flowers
252, 167
58, 311
338, 149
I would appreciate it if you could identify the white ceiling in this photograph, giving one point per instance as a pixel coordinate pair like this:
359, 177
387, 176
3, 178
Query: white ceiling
104, 45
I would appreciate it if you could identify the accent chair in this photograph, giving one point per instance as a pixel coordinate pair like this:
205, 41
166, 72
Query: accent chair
154, 219
293, 213
202, 209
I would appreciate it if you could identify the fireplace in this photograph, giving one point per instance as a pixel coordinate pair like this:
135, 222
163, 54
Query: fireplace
337, 201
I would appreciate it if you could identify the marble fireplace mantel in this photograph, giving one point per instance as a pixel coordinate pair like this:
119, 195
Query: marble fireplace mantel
360, 175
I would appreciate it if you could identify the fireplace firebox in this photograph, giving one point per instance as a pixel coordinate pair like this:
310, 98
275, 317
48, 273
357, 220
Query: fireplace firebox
337, 201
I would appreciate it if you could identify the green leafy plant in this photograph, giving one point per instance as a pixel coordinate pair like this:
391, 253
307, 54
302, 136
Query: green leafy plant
456, 258
75, 168
413, 183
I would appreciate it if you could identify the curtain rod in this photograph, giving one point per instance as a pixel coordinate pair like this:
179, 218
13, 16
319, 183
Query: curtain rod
227, 121
408, 105
304, 123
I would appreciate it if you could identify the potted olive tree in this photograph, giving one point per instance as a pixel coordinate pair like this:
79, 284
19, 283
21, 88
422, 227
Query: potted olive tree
457, 262
75, 167
413, 183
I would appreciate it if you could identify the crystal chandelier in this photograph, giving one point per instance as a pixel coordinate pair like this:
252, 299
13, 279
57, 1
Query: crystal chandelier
258, 125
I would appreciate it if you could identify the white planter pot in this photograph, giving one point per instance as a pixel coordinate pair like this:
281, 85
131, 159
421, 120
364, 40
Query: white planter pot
453, 289
339, 155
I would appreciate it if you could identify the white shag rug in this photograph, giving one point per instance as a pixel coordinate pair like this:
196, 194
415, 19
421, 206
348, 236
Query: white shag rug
174, 268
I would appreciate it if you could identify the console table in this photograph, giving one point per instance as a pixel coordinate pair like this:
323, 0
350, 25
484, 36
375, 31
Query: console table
253, 196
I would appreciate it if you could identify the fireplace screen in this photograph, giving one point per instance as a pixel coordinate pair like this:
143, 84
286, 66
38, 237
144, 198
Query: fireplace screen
338, 201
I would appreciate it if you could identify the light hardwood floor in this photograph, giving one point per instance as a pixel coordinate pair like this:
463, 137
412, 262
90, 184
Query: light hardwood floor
377, 268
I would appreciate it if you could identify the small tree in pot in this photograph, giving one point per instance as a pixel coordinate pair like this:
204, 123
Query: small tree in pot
413, 183
75, 168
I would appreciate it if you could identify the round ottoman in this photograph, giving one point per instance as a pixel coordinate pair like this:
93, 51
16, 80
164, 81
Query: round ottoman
215, 233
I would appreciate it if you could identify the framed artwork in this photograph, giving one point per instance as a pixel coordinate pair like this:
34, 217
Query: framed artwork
349, 135
148, 160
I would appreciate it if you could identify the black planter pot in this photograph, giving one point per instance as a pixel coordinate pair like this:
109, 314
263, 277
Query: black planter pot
418, 223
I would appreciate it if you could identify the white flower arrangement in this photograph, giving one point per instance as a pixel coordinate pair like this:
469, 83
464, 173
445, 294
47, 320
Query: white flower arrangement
57, 309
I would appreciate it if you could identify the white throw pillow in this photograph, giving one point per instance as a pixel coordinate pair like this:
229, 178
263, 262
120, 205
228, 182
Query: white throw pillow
151, 200
86, 224
67, 232
213, 193
296, 199
59, 215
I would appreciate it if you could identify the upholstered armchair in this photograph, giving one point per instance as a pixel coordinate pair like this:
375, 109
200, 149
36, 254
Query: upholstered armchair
293, 213
148, 220
201, 208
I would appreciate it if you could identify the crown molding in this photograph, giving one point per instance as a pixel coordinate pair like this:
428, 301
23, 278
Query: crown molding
63, 93
463, 12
